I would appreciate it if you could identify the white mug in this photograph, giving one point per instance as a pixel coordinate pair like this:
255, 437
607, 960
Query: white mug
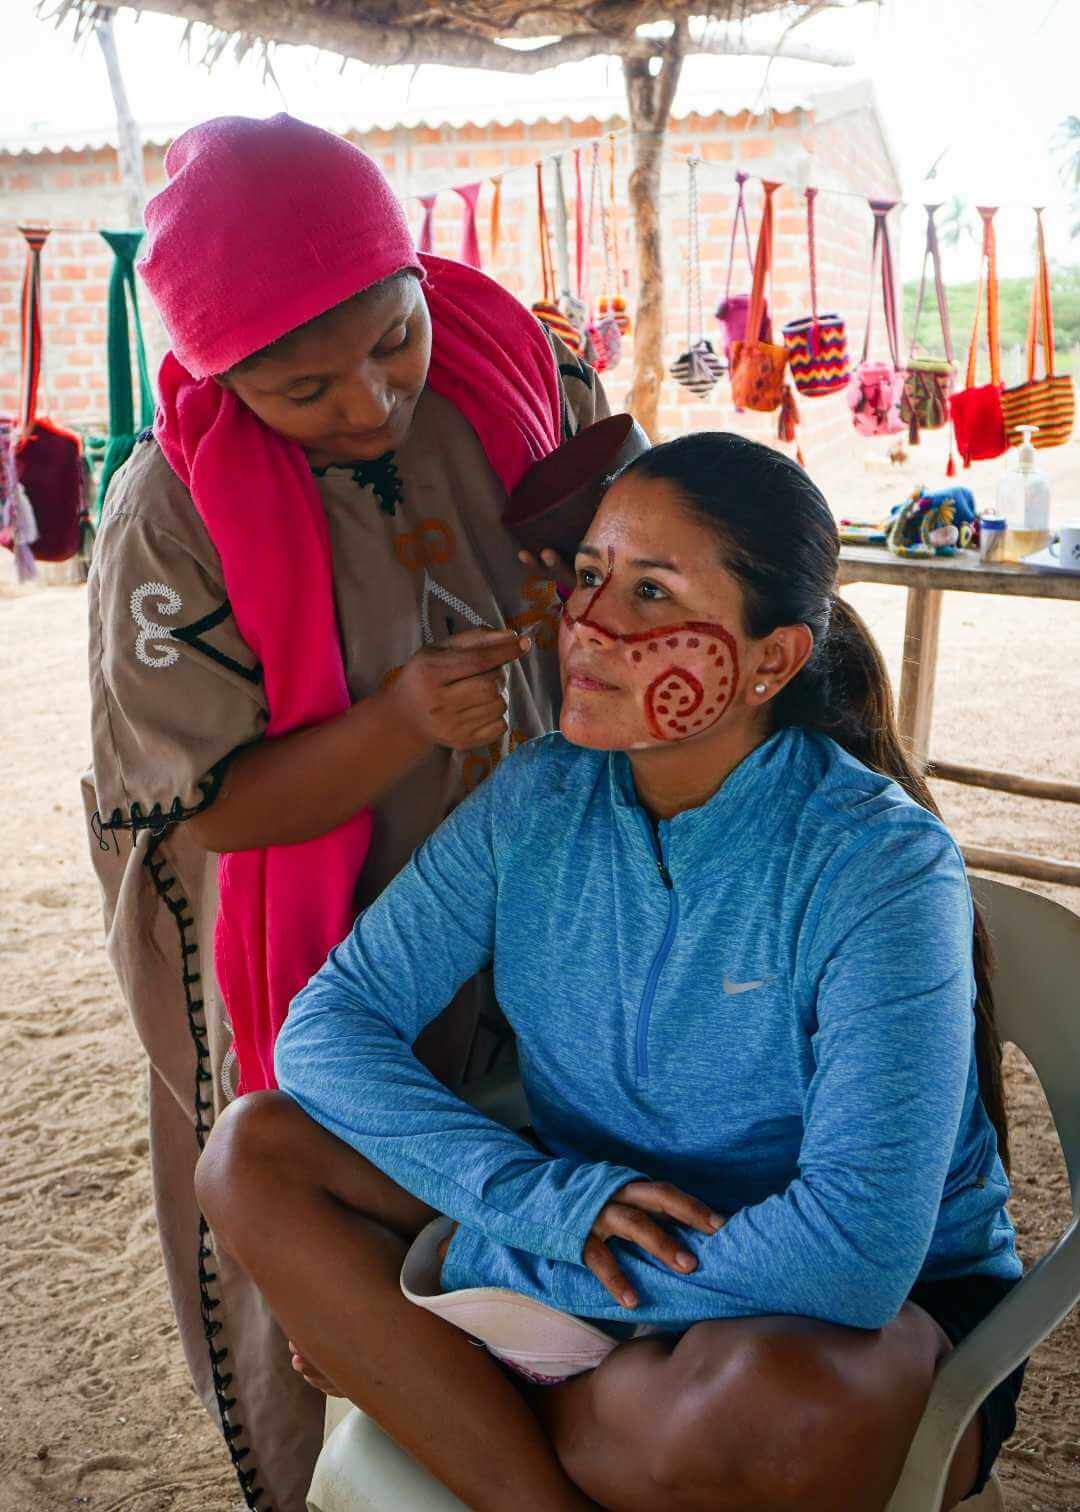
1067, 546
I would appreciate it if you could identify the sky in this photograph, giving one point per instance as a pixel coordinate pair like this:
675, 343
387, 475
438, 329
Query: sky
984, 82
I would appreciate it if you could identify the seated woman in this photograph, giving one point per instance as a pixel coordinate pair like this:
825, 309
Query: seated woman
737, 946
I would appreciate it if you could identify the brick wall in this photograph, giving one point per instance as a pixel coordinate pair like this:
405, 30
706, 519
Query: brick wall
78, 191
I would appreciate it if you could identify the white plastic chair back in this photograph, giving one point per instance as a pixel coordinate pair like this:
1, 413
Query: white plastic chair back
1037, 1000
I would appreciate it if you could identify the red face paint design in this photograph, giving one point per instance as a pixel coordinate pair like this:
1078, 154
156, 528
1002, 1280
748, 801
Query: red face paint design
687, 673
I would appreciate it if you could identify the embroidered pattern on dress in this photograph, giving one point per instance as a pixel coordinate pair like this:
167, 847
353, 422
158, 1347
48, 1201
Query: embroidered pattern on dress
381, 476
433, 590
168, 602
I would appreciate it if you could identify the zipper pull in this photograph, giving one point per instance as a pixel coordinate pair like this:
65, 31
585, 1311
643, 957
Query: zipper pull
665, 876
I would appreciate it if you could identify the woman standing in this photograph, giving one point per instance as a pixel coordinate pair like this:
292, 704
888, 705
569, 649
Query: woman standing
310, 637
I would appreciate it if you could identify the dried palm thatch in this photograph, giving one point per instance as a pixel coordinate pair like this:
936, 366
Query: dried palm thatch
473, 33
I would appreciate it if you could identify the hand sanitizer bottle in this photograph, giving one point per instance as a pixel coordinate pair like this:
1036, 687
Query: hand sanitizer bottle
1023, 497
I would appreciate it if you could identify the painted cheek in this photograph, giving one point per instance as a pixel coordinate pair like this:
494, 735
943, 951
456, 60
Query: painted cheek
685, 678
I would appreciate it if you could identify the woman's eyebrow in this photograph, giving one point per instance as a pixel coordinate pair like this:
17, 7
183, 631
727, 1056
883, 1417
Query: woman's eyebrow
658, 563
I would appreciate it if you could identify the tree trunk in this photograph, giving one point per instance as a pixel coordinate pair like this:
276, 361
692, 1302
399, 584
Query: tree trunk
650, 99
129, 137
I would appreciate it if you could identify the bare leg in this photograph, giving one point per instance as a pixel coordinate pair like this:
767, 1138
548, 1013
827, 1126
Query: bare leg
323, 1233
755, 1415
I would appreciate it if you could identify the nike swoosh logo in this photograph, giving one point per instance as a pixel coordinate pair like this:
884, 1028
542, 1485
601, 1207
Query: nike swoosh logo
731, 987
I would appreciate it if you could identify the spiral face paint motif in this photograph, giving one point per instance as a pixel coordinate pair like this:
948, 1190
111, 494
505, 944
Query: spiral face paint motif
688, 672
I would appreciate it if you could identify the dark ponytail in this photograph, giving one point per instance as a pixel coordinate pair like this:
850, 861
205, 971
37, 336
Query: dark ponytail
779, 539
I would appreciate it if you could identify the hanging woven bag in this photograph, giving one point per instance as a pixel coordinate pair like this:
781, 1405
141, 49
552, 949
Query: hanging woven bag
1048, 402
817, 344
698, 368
977, 415
928, 381
758, 367
733, 310
877, 387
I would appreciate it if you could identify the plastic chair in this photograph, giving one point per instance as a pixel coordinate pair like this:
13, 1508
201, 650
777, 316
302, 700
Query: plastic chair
1037, 992
1037, 996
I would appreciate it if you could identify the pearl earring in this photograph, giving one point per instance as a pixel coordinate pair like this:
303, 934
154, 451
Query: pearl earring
761, 687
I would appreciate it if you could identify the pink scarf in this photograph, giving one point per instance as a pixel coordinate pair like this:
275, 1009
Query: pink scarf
284, 907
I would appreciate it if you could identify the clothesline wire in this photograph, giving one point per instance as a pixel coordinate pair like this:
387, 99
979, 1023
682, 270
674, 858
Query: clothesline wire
624, 135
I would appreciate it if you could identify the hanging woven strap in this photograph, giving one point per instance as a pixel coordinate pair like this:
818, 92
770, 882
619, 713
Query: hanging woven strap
811, 195
427, 229
579, 224
882, 250
35, 237
547, 269
932, 255
616, 250
1041, 315
987, 279
762, 264
739, 219
470, 241
562, 235
695, 325
611, 285
122, 298
496, 212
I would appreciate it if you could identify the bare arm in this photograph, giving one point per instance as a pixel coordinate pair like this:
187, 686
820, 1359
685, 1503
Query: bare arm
298, 786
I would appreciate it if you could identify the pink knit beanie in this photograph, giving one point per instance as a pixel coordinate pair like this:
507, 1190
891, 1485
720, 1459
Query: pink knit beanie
262, 226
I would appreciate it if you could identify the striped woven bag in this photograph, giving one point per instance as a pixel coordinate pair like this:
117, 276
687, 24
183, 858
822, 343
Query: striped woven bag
1048, 402
928, 381
698, 368
817, 345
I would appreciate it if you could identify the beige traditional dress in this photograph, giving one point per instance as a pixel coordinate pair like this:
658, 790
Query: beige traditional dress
418, 553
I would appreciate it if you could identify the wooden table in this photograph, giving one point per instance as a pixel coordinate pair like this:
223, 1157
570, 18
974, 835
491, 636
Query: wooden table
926, 580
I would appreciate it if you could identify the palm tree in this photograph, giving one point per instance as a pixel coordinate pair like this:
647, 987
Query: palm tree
955, 223
1066, 145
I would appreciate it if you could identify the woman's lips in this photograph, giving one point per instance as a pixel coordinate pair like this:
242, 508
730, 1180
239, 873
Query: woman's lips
589, 684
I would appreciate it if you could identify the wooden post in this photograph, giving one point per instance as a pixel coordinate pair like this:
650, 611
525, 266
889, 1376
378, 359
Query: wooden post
650, 96
921, 632
129, 138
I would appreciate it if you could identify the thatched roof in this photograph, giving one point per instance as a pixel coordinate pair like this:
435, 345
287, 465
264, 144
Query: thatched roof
471, 33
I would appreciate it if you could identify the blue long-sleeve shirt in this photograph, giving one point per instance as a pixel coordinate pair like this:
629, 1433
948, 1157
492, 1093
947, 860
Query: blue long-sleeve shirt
768, 1002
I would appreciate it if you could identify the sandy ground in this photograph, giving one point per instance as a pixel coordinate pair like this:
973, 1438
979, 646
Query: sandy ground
98, 1412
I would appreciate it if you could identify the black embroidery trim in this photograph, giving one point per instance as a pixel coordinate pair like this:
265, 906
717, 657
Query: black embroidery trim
208, 1303
192, 635
158, 819
145, 435
381, 476
579, 370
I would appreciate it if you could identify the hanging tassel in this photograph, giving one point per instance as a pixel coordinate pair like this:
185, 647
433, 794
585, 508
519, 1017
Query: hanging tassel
913, 428
800, 459
470, 241
789, 415
426, 241
496, 209
950, 466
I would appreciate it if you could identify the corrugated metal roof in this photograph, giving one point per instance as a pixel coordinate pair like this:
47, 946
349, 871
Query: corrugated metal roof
577, 92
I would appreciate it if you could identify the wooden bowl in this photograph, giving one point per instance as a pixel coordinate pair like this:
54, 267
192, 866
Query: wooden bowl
554, 504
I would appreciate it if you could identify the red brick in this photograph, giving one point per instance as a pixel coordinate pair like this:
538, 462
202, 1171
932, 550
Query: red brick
78, 314
94, 293
64, 336
716, 152
66, 381
71, 271
80, 357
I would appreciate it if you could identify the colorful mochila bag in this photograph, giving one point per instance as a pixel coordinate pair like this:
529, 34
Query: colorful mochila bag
733, 310
875, 391
698, 368
49, 462
977, 416
817, 345
1048, 402
928, 381
758, 367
